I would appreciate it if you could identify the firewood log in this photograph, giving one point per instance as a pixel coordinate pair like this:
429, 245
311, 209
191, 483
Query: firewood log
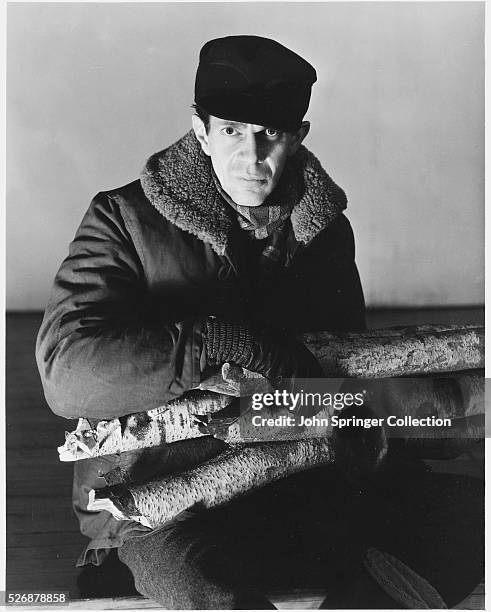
180, 419
215, 482
452, 395
398, 351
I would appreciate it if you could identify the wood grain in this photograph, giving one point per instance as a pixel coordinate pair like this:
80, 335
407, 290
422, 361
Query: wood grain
398, 351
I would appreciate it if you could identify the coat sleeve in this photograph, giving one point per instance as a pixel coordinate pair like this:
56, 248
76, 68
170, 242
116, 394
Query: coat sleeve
100, 352
330, 281
347, 299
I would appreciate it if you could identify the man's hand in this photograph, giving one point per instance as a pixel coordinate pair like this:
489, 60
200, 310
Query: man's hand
274, 354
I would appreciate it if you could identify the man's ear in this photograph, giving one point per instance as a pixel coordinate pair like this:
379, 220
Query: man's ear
298, 137
200, 131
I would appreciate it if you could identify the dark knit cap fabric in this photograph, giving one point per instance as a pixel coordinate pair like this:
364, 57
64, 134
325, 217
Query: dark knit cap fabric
253, 80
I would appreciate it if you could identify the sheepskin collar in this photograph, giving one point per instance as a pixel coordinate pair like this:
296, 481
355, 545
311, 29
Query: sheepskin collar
178, 181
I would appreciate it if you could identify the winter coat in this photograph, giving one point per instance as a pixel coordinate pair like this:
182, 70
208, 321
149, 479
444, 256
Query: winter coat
122, 331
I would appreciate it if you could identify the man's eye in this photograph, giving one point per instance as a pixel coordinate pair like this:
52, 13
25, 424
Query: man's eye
271, 132
229, 131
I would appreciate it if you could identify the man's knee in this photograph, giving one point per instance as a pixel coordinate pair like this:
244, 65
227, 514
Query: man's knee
178, 569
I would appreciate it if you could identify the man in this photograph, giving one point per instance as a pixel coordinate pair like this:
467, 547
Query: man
231, 243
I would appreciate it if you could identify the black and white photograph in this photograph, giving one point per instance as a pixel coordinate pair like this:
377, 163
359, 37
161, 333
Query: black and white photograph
245, 305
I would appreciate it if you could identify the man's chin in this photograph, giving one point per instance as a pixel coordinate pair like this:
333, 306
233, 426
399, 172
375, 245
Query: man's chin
249, 198
250, 204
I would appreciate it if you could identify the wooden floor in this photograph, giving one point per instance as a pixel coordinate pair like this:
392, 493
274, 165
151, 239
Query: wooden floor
43, 540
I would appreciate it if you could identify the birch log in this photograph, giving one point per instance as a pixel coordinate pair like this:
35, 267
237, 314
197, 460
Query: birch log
180, 419
213, 483
399, 351
455, 396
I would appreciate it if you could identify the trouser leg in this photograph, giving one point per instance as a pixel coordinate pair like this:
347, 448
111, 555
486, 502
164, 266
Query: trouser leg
228, 557
435, 524
184, 567
312, 530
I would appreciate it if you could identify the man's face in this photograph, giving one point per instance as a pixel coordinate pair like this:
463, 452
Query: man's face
248, 159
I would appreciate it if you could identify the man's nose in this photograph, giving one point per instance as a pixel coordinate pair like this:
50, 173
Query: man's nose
252, 150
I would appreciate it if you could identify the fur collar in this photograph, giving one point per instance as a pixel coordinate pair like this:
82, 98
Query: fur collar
178, 181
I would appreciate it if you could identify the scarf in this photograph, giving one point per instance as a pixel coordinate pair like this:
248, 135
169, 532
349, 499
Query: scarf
268, 227
260, 221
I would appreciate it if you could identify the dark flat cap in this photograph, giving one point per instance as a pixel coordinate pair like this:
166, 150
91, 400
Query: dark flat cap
253, 80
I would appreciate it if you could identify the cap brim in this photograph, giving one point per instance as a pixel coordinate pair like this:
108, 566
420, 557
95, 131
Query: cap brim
255, 109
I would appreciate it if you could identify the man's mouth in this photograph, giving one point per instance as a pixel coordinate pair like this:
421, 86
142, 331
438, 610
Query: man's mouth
253, 179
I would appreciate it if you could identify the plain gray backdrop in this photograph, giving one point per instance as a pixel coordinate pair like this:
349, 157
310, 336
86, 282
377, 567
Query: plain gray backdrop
397, 120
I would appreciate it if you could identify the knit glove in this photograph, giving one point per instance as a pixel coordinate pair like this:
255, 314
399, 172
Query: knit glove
276, 355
